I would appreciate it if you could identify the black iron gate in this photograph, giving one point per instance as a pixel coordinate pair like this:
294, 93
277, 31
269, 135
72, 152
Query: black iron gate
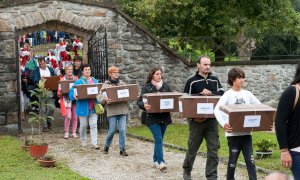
97, 58
18, 80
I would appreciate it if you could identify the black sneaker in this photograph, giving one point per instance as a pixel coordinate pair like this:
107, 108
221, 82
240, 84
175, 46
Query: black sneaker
187, 175
45, 129
49, 125
123, 152
106, 150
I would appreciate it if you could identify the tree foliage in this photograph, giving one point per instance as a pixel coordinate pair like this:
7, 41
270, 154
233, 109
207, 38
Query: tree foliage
215, 18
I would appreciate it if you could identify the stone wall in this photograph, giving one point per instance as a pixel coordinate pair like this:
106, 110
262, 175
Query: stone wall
103, 3
266, 82
130, 47
8, 76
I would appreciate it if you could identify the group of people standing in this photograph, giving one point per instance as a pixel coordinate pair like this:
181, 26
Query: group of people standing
30, 77
45, 37
35, 68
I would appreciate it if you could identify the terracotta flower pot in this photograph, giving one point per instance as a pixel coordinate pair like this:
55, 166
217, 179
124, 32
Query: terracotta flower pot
45, 163
38, 151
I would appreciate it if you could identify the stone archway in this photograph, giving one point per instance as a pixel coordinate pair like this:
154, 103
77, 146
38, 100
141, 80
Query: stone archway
54, 25
25, 17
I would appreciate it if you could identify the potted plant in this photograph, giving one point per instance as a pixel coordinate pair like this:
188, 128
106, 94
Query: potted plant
263, 147
38, 149
42, 94
47, 160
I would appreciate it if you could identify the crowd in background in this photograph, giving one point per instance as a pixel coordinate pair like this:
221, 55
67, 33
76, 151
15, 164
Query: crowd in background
35, 67
46, 37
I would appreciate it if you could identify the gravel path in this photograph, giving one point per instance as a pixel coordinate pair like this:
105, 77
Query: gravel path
94, 164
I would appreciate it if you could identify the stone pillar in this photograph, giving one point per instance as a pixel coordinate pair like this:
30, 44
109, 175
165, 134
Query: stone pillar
85, 50
8, 95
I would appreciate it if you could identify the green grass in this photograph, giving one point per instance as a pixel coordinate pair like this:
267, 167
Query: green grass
16, 163
178, 135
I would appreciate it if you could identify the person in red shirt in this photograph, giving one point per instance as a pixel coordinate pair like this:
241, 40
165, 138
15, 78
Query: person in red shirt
25, 54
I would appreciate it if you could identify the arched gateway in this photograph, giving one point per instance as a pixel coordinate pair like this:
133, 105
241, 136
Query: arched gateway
123, 43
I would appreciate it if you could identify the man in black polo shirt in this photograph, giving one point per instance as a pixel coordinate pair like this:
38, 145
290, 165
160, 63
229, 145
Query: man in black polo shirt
203, 83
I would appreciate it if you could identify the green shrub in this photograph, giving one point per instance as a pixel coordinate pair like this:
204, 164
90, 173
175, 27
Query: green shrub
264, 145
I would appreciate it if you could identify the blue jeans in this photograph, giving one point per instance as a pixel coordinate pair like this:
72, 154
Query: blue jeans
236, 145
113, 121
158, 132
296, 164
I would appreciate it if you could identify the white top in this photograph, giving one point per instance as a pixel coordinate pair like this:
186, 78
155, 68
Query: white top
24, 53
45, 72
234, 97
297, 149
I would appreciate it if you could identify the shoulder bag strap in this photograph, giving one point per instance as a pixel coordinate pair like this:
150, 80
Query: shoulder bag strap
296, 97
83, 81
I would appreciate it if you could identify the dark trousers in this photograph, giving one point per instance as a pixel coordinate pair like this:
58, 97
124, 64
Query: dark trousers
209, 131
47, 111
237, 144
296, 164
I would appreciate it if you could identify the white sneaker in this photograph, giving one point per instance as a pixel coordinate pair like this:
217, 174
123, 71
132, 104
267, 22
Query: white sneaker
162, 166
95, 146
74, 135
155, 165
66, 136
83, 144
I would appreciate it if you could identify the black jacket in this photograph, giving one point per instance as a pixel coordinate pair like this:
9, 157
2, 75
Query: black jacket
153, 118
287, 122
197, 83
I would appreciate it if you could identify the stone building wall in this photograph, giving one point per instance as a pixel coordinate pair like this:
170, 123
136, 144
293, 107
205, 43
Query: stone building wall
8, 76
266, 82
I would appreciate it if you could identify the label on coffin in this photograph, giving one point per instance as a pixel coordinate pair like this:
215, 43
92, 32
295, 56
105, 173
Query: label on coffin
75, 92
104, 95
252, 121
180, 106
205, 108
166, 103
123, 93
92, 90
224, 116
145, 100
71, 85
